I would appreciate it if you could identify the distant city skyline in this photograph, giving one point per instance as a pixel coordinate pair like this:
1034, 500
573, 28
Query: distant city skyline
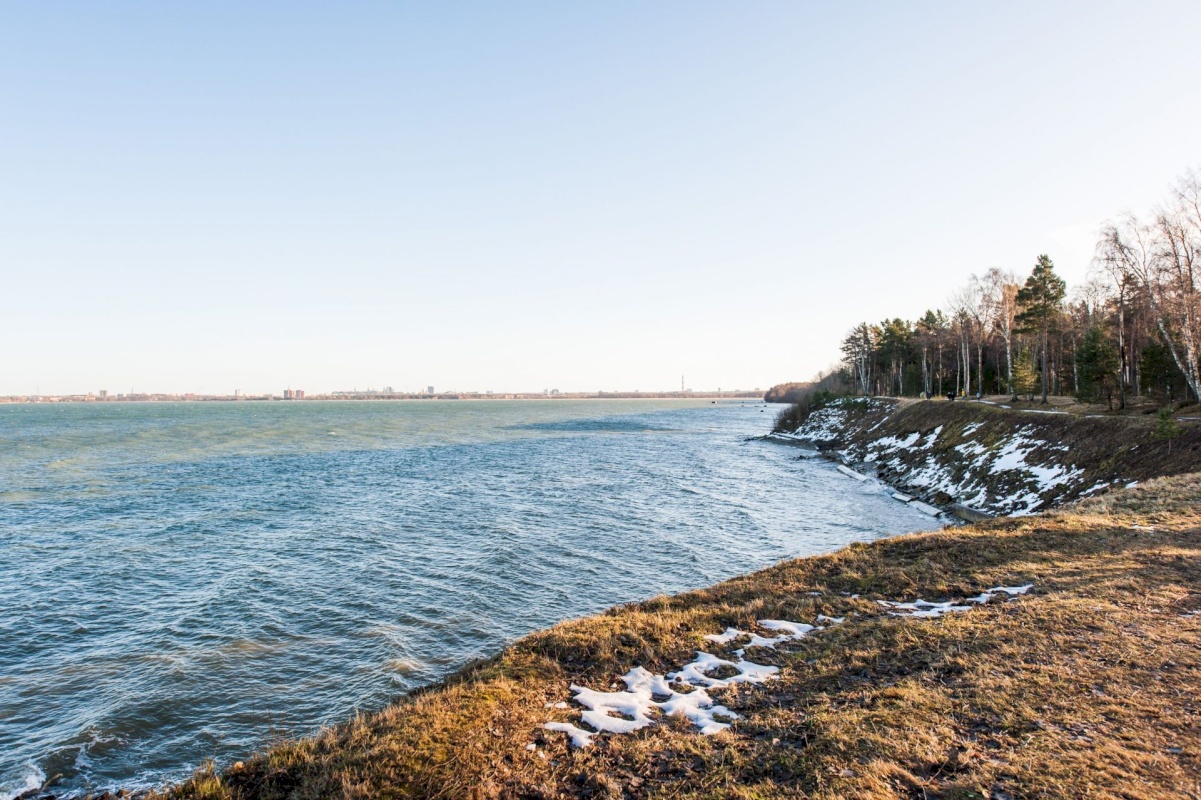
428, 393
298, 393
518, 196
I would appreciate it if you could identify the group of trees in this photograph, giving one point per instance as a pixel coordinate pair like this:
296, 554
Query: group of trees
1134, 327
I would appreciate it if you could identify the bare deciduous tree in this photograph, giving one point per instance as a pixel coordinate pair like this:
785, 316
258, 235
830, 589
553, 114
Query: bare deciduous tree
1164, 259
998, 294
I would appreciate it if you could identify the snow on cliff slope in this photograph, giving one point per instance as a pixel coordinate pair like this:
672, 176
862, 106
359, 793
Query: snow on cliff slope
1006, 464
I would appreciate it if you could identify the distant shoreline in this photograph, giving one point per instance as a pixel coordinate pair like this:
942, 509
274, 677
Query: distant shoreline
342, 396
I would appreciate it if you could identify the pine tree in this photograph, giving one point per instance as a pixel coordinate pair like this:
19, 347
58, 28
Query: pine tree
1166, 427
1040, 300
895, 335
1024, 377
1097, 361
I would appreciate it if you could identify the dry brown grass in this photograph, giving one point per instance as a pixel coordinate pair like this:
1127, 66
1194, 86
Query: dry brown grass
1085, 688
1135, 406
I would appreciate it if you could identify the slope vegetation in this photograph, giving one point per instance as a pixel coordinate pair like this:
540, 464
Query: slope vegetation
996, 459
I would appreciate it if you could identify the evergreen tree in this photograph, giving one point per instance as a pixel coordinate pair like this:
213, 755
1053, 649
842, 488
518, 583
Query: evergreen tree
894, 348
1157, 371
1166, 427
929, 332
1024, 377
1040, 301
1097, 362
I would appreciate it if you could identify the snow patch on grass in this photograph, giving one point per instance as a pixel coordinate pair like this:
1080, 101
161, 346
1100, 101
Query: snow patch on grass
892, 443
1012, 458
685, 691
925, 609
823, 425
631, 710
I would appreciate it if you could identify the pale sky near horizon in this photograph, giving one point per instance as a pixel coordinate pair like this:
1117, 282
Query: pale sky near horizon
521, 196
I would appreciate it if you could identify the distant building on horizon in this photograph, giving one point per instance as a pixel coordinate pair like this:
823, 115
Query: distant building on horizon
429, 390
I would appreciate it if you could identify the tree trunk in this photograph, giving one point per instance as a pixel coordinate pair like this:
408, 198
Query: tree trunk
1123, 373
1044, 376
967, 365
1009, 364
1188, 364
940, 366
980, 366
925, 370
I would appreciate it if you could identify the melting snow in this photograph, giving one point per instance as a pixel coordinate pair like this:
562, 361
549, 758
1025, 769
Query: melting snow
823, 425
1012, 456
725, 638
696, 672
631, 710
891, 444
624, 712
923, 608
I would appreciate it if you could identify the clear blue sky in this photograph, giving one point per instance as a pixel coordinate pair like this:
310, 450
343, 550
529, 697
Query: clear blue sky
512, 196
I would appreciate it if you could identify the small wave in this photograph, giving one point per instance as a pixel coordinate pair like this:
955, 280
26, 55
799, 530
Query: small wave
591, 426
406, 666
30, 780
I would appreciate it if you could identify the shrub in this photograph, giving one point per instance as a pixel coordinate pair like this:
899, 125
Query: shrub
791, 418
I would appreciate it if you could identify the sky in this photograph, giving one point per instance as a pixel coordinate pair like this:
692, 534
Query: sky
523, 196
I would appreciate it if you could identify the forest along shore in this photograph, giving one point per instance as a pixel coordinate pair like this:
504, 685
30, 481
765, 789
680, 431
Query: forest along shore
991, 459
1055, 655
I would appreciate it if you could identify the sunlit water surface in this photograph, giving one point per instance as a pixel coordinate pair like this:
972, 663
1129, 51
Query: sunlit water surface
181, 582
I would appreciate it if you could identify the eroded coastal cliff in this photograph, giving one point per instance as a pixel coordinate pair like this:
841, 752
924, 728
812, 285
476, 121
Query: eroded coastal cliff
992, 458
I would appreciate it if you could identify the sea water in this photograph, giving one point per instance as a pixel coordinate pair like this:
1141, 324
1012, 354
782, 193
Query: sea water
192, 581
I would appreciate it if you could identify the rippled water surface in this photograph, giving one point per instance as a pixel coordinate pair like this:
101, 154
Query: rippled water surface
189, 581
